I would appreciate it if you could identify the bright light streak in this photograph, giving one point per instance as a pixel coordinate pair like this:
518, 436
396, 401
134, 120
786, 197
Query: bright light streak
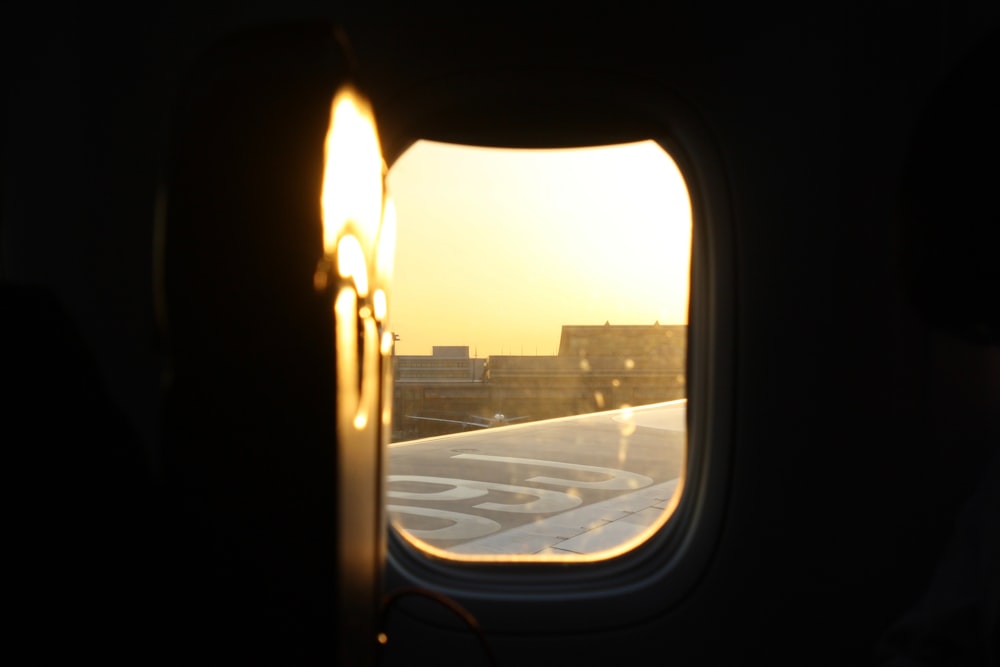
351, 263
353, 175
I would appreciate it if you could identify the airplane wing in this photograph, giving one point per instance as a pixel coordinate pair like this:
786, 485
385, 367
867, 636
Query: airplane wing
549, 488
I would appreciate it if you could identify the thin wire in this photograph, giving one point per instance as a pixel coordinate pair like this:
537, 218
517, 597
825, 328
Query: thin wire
391, 598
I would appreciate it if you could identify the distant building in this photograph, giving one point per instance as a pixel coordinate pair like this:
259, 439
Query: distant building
448, 384
448, 363
598, 368
667, 343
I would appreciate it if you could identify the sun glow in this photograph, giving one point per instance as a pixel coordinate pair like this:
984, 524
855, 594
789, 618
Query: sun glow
358, 241
498, 248
353, 175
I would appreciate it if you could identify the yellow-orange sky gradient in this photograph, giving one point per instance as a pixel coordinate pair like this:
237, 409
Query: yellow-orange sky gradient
498, 248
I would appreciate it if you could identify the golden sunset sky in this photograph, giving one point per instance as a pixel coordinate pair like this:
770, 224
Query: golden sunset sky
498, 248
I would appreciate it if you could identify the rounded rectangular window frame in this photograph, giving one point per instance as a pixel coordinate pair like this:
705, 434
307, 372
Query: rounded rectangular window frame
551, 109
621, 229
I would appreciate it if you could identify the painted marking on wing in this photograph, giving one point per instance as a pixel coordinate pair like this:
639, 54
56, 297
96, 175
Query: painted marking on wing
620, 480
546, 501
458, 489
463, 527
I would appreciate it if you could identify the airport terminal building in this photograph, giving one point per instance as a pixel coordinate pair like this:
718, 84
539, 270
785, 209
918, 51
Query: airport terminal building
599, 367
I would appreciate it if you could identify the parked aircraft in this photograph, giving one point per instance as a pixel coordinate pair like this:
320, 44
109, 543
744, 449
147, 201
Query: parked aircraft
192, 478
474, 421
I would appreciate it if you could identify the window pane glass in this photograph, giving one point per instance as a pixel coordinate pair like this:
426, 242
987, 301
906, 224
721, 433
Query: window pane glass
539, 303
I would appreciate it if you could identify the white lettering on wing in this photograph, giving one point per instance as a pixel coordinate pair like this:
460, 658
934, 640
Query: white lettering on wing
463, 527
619, 480
457, 490
546, 501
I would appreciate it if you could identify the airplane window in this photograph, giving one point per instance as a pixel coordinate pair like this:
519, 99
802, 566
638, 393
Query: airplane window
539, 309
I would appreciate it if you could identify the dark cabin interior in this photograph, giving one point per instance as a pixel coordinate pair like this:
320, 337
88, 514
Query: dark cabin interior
159, 336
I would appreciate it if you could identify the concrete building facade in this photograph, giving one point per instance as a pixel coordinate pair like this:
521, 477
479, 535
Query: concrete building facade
597, 368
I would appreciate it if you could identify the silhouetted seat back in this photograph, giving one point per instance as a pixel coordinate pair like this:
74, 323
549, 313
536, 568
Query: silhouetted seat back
951, 228
249, 403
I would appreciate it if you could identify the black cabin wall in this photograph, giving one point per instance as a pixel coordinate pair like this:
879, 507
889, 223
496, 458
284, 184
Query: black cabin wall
847, 475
